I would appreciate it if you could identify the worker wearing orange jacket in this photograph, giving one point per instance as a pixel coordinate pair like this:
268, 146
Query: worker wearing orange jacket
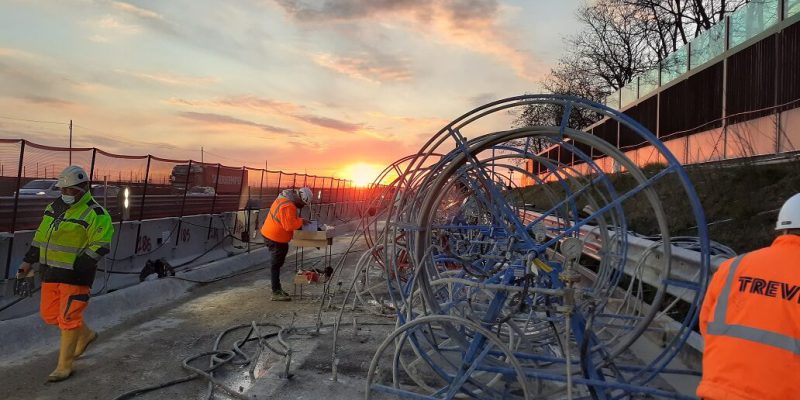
751, 320
278, 230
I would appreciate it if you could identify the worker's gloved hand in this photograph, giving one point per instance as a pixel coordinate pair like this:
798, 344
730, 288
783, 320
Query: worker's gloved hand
24, 284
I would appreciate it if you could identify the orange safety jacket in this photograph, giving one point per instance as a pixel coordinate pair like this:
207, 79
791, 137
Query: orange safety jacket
282, 221
751, 324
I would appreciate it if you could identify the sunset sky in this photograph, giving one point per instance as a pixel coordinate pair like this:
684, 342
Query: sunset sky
307, 85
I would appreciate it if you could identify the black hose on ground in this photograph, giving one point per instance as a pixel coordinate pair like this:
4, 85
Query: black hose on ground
218, 359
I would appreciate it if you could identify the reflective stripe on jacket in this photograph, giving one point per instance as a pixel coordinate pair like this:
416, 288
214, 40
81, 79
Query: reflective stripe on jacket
82, 229
282, 221
750, 320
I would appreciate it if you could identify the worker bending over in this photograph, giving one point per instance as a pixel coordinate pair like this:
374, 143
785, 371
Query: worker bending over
278, 230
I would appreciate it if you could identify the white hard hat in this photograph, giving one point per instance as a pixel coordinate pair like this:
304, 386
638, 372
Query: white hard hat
789, 216
72, 176
305, 194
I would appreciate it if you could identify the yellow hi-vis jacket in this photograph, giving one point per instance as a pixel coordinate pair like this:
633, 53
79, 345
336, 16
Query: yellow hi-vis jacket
70, 242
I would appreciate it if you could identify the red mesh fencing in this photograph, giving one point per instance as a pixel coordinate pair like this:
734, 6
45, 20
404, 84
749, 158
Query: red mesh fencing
157, 187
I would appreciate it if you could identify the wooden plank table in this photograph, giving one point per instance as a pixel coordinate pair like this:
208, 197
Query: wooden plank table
317, 239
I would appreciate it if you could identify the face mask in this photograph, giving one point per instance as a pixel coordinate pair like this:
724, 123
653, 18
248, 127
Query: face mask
69, 199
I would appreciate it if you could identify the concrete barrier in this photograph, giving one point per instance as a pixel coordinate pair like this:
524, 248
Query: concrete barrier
29, 334
26, 335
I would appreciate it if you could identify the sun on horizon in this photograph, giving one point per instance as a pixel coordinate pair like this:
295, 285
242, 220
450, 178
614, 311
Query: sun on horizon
362, 174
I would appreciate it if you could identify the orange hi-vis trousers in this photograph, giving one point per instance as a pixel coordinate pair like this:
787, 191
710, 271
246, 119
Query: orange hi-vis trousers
63, 304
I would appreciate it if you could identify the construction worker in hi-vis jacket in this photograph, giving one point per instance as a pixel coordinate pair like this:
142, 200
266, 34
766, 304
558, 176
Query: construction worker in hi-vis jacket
750, 320
278, 230
73, 236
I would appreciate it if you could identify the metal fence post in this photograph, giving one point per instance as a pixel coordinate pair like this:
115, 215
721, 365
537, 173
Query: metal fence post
144, 189
343, 199
185, 189
334, 193
338, 198
216, 185
775, 98
91, 167
213, 203
141, 206
350, 199
345, 194
261, 188
313, 195
19, 183
330, 198
358, 194
332, 204
239, 202
16, 204
353, 191
183, 204
241, 189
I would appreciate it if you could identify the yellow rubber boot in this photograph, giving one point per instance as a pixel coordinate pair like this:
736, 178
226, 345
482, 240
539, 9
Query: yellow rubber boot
85, 337
69, 338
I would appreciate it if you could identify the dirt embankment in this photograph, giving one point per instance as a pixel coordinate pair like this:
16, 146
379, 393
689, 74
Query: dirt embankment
740, 201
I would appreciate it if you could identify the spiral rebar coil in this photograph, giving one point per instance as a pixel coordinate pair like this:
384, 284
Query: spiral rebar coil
485, 272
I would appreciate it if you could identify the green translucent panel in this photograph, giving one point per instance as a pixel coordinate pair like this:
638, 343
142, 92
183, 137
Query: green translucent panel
630, 92
674, 66
613, 100
648, 82
792, 8
753, 19
708, 45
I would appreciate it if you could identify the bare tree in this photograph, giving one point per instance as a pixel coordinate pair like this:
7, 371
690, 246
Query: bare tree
604, 57
670, 24
621, 39
569, 78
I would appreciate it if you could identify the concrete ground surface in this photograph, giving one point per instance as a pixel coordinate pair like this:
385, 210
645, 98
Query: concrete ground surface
148, 348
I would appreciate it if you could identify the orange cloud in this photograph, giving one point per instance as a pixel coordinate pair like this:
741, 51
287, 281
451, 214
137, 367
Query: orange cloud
48, 101
128, 19
260, 103
219, 119
472, 25
363, 68
112, 23
483, 36
15, 53
276, 108
170, 79
137, 11
330, 158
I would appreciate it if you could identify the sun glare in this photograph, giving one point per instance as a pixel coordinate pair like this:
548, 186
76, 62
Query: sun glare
362, 174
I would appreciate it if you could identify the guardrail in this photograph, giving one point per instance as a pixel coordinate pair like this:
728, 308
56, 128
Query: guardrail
645, 261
